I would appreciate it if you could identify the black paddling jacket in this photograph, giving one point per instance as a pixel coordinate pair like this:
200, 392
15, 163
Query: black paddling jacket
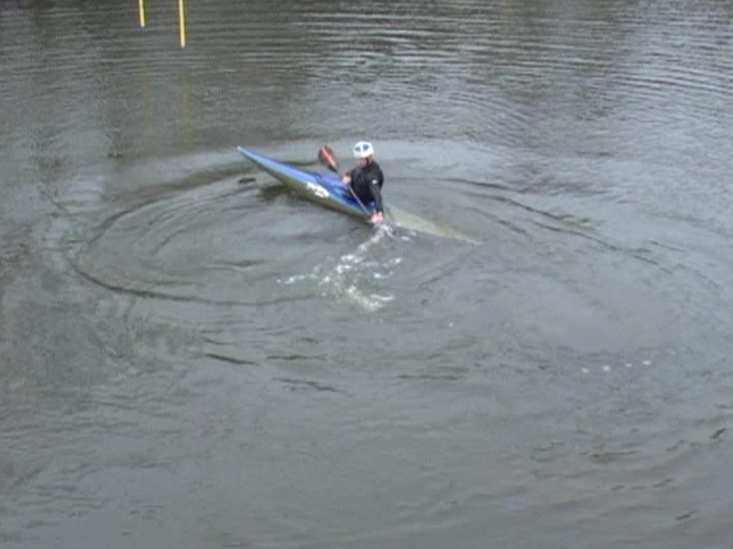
367, 184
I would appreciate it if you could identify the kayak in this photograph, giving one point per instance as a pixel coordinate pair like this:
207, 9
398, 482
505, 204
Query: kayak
324, 188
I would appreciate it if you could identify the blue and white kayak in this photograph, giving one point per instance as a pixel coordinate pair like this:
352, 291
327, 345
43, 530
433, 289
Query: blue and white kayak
324, 188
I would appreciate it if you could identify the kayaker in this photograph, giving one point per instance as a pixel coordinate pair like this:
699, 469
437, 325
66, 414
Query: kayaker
366, 179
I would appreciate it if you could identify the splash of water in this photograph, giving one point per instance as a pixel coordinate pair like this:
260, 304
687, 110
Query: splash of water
345, 279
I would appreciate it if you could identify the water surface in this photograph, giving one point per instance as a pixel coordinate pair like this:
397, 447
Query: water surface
192, 356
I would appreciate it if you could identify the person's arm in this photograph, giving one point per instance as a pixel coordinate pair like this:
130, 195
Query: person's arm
347, 177
378, 215
376, 195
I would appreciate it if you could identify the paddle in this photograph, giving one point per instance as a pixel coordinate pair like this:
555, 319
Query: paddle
328, 159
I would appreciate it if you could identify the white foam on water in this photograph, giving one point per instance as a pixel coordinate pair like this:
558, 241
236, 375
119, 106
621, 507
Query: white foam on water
338, 282
342, 279
647, 363
294, 279
369, 302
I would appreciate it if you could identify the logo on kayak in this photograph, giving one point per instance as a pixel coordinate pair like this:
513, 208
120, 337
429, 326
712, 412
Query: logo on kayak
317, 190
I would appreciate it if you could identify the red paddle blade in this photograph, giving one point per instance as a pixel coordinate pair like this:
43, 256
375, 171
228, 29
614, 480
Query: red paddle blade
328, 158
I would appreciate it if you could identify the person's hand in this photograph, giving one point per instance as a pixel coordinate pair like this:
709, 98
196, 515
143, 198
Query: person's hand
346, 179
377, 218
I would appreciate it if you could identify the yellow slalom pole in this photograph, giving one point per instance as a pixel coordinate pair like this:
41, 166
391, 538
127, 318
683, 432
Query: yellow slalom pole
141, 9
182, 22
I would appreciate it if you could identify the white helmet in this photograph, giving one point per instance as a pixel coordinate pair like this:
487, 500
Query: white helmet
363, 149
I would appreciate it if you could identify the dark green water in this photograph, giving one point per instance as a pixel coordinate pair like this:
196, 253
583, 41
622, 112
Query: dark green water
192, 357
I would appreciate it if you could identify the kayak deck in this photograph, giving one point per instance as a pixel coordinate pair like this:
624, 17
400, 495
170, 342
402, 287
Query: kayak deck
324, 188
